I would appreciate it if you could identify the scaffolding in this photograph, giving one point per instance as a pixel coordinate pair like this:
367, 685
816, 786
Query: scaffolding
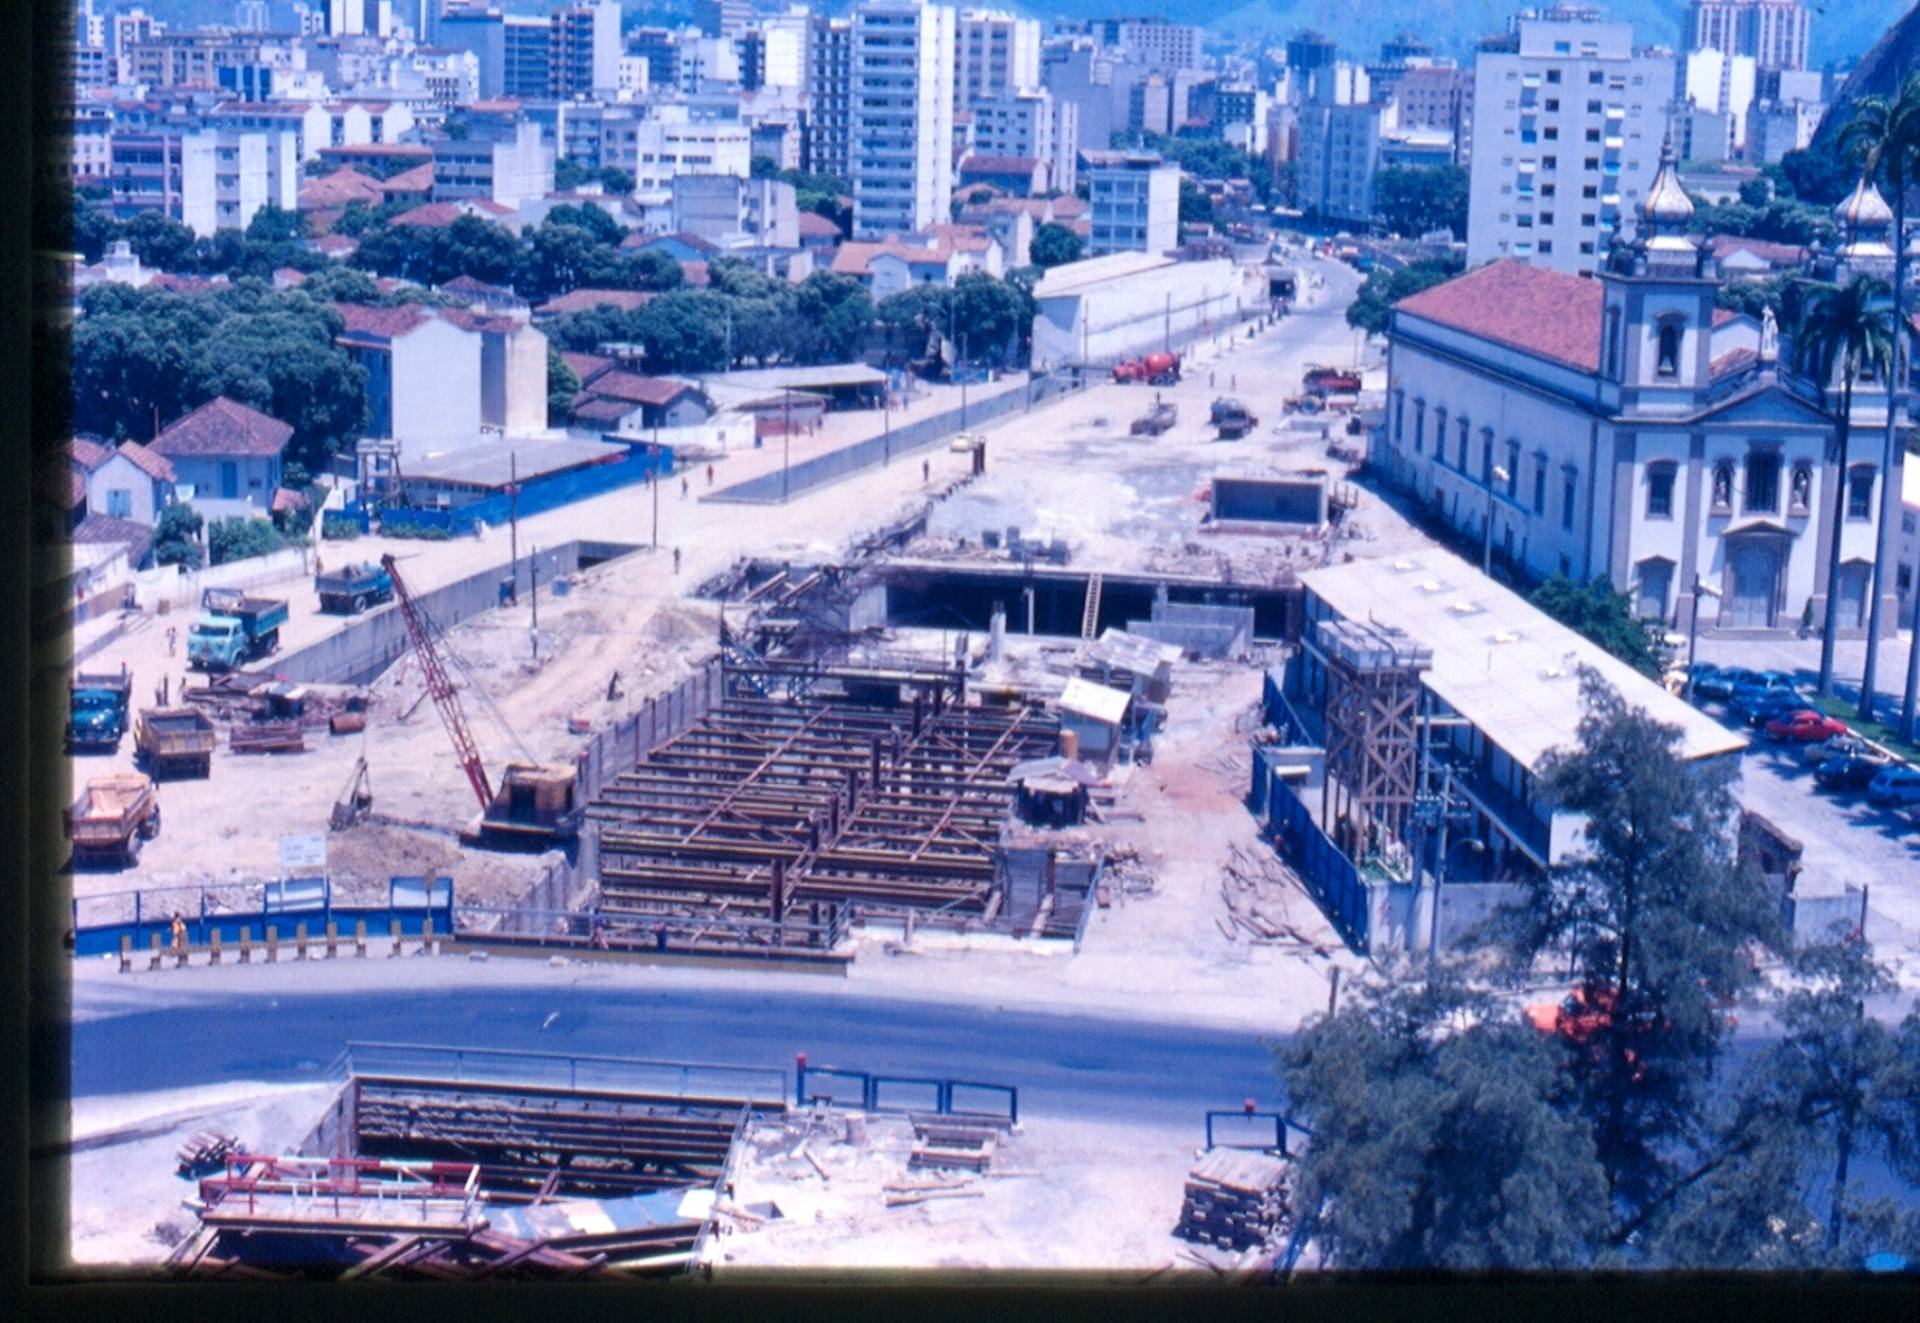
876, 789
1372, 726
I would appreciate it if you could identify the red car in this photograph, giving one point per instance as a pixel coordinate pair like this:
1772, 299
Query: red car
1805, 727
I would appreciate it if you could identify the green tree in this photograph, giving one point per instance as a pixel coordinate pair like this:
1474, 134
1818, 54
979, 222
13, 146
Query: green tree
991, 317
1818, 179
271, 225
1756, 192
1443, 1137
236, 538
562, 385
176, 537
562, 258
569, 174
1659, 918
281, 358
1753, 298
615, 180
655, 270
1603, 616
683, 331
1196, 208
1055, 245
587, 216
341, 284
835, 314
1842, 332
1413, 200
161, 243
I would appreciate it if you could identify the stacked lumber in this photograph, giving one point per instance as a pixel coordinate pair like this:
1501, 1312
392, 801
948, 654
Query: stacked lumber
204, 1149
952, 1146
268, 737
1256, 888
1235, 1199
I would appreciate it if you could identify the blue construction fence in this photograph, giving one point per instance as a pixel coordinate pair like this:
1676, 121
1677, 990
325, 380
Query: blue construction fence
100, 922
1330, 876
537, 495
780, 485
960, 1099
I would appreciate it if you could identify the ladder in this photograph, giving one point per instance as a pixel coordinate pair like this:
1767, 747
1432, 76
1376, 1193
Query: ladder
1090, 619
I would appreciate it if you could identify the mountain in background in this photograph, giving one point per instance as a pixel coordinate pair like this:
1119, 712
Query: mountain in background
1842, 29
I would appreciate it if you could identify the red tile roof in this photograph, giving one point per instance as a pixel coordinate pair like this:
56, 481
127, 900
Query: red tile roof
815, 226
696, 274
223, 427
585, 366
1721, 316
338, 189
692, 241
585, 300
637, 389
1540, 312
63, 486
149, 463
432, 215
333, 245
88, 455
1730, 362
285, 498
468, 320
289, 276
480, 289
99, 528
367, 319
590, 408
417, 180
1774, 254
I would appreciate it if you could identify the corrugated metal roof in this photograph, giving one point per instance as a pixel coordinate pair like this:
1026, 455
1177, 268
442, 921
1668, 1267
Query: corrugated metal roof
1087, 699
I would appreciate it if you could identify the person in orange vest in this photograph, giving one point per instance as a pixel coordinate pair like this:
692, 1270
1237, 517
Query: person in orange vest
179, 934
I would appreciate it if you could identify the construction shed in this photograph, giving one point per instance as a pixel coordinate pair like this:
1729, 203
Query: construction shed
1120, 659
1095, 715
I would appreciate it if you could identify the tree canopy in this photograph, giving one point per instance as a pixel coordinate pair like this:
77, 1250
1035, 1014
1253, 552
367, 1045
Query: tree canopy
1413, 200
1602, 614
1055, 245
1372, 308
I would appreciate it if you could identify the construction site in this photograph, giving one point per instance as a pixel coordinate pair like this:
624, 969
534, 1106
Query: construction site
952, 712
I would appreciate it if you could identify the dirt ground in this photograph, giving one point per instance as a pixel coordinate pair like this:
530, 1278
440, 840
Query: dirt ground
1068, 1196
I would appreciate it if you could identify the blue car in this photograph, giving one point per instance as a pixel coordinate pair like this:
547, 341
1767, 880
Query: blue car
1719, 682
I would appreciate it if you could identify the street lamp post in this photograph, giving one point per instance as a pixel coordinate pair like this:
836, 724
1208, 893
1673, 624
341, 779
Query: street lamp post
963, 383
786, 435
1486, 541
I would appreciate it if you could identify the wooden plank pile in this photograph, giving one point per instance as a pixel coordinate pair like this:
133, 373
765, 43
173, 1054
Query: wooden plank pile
205, 1149
1236, 1199
1256, 890
268, 737
948, 1146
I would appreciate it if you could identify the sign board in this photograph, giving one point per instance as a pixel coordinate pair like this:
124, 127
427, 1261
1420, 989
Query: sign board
296, 895
303, 853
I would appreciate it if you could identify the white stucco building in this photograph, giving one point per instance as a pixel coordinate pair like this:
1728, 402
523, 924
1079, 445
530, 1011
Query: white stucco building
1133, 203
994, 53
1621, 426
1106, 308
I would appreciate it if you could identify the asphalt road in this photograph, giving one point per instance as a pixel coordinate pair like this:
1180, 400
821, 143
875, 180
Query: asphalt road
1125, 1071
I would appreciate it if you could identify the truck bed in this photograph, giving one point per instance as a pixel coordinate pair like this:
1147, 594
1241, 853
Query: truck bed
114, 681
175, 730
108, 809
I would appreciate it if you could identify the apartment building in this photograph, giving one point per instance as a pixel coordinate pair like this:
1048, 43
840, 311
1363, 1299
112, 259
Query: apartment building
1337, 156
1154, 42
506, 164
994, 53
1568, 126
1133, 203
1772, 32
1032, 124
670, 143
731, 211
829, 86
773, 52
901, 130
1438, 97
572, 51
209, 180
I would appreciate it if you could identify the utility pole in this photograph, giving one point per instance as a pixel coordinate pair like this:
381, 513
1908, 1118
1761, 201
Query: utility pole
533, 577
886, 409
1693, 632
653, 481
1166, 327
1439, 873
963, 384
786, 435
513, 514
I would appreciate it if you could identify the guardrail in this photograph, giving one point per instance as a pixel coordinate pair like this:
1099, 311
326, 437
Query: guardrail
669, 934
752, 1086
949, 1096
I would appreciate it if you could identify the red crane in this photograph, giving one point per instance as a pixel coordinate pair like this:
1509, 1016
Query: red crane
440, 688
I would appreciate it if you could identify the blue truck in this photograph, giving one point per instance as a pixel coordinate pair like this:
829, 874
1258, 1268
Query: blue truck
353, 588
97, 709
234, 628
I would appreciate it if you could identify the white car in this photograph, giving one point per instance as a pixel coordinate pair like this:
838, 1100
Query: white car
1896, 787
1840, 746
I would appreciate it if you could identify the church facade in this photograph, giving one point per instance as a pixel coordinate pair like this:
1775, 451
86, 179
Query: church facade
1622, 426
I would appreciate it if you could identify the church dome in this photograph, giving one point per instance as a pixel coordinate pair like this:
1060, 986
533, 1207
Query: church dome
1667, 204
1864, 208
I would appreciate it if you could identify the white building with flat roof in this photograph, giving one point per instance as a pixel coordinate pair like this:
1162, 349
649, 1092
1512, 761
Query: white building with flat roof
900, 136
1133, 203
1103, 309
1566, 138
994, 54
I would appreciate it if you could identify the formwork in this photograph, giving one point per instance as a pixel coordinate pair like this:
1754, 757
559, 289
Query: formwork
810, 792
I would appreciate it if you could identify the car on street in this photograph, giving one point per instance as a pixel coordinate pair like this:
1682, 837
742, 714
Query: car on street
1702, 673
1843, 746
1897, 786
1805, 727
1719, 683
1758, 709
1848, 772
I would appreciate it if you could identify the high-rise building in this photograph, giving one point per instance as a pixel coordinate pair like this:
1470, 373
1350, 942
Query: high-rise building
250, 15
1075, 70
1773, 32
572, 51
1031, 124
994, 53
1568, 123
900, 145
1153, 42
829, 87
1337, 158
585, 49
354, 18
722, 18
1309, 51
660, 48
527, 58
1133, 203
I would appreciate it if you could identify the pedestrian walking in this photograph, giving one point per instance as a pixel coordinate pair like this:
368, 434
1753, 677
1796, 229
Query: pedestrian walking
1209, 381
676, 560
683, 489
926, 470
179, 934
173, 639
709, 475
1233, 382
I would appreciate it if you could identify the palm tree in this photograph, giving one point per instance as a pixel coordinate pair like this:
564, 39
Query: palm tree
1886, 135
1843, 330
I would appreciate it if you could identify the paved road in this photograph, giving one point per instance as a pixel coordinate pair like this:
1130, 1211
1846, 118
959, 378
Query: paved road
1108, 1069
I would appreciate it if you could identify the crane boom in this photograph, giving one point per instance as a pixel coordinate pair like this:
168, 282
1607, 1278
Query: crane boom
445, 700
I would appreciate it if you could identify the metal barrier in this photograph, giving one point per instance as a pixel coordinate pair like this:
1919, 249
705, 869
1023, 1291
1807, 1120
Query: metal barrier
756, 1086
1330, 876
948, 1094
138, 915
1279, 1144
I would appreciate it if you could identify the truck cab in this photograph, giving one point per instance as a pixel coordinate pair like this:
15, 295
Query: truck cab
216, 641
97, 710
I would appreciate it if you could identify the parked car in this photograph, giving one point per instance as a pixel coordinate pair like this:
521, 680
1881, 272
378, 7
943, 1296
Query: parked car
1758, 709
1897, 786
1750, 695
1843, 746
1805, 727
1719, 683
1848, 772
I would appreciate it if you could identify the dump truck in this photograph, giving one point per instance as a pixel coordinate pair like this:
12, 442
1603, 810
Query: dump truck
112, 819
234, 628
1156, 421
353, 588
174, 741
97, 709
1162, 369
1232, 419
